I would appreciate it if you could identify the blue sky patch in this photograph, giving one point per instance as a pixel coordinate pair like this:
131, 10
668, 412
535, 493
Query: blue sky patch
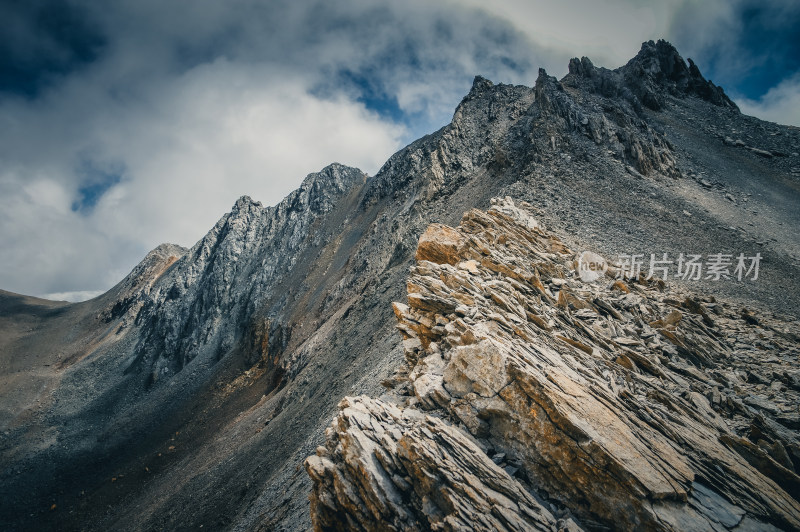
96, 182
371, 93
763, 52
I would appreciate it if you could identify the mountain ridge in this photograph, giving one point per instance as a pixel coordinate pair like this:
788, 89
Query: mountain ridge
246, 343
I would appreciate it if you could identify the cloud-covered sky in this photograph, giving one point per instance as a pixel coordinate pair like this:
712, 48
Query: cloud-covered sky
128, 123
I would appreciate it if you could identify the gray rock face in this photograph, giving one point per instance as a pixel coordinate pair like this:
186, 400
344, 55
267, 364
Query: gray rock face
414, 472
622, 132
212, 378
132, 292
232, 273
656, 71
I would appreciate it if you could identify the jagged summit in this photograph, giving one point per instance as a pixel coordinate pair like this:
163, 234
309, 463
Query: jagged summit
657, 70
335, 174
333, 180
244, 202
128, 296
168, 248
318, 188
660, 65
479, 85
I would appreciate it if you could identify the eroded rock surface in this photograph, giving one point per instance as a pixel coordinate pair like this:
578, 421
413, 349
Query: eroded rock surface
414, 471
624, 402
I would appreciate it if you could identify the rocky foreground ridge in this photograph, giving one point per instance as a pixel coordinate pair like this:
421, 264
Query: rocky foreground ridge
531, 400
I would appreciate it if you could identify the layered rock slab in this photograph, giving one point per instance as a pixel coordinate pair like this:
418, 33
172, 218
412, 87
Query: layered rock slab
398, 469
619, 400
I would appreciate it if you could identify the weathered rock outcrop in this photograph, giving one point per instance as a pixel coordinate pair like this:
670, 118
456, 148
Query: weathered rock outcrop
414, 472
626, 402
615, 125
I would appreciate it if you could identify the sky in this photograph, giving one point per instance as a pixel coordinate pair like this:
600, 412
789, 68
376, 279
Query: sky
128, 123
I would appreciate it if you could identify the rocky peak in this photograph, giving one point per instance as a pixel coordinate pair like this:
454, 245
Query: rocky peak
436, 162
656, 71
479, 86
614, 120
131, 292
661, 61
581, 67
245, 204
659, 67
334, 177
320, 189
488, 96
232, 270
494, 119
549, 93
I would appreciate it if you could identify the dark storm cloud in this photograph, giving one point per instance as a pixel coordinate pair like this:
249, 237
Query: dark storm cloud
42, 41
747, 46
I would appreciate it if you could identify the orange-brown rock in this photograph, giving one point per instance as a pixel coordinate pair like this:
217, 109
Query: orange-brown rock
440, 244
390, 468
619, 409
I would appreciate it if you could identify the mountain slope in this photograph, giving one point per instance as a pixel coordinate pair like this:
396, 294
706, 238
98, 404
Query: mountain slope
201, 394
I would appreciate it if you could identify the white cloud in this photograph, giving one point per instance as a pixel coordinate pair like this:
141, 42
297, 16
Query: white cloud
607, 31
192, 104
223, 130
780, 104
72, 297
189, 147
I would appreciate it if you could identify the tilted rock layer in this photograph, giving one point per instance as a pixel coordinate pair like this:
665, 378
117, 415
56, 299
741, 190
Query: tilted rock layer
534, 401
